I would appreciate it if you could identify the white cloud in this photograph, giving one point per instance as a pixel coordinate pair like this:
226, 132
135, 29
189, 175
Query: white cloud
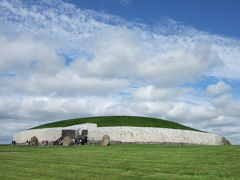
22, 52
151, 93
222, 100
218, 89
179, 65
228, 50
116, 53
63, 83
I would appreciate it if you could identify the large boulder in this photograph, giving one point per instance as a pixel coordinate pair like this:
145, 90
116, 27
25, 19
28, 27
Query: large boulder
34, 141
105, 140
67, 141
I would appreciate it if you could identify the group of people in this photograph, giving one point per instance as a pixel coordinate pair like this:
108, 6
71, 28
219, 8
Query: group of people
13, 142
28, 142
44, 142
80, 141
58, 142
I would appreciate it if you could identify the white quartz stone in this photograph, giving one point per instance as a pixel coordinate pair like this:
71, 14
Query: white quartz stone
126, 134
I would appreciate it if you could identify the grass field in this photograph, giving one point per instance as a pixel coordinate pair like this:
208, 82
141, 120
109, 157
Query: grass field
120, 162
118, 121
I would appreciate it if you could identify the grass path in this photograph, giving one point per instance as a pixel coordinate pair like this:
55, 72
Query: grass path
121, 162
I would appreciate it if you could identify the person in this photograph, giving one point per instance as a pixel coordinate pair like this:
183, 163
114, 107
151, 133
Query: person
78, 141
84, 140
60, 142
36, 143
27, 143
46, 142
42, 142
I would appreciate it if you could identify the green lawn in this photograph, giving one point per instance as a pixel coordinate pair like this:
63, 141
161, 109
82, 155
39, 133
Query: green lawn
121, 162
118, 121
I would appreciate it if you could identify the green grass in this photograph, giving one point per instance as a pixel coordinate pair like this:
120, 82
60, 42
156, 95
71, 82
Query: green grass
118, 121
121, 162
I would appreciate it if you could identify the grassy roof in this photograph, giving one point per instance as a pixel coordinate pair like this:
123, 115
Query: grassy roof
102, 121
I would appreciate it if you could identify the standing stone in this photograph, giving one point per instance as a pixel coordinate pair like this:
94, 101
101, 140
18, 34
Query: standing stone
105, 140
34, 141
67, 141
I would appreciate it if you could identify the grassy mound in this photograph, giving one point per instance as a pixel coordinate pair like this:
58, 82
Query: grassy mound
102, 121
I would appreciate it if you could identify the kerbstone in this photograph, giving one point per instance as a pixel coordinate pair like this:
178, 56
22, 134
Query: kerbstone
105, 140
67, 141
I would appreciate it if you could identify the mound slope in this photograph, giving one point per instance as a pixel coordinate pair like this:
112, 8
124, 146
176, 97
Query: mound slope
106, 121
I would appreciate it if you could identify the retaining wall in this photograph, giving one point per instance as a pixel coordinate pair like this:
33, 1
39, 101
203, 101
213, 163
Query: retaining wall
50, 134
126, 134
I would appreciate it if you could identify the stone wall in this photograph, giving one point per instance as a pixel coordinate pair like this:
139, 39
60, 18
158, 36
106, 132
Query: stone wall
145, 135
50, 134
41, 134
126, 134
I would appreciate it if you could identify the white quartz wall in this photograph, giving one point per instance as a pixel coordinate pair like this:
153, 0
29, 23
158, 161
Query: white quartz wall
41, 134
126, 134
50, 134
155, 135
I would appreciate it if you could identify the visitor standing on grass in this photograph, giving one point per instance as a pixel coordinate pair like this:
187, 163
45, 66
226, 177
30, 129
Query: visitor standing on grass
42, 142
13, 142
60, 142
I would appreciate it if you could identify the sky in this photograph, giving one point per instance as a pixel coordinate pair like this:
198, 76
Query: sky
175, 60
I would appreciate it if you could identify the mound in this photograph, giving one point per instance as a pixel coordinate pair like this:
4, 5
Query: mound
105, 121
124, 129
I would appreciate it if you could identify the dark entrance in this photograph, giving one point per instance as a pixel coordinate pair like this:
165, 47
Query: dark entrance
84, 133
68, 132
84, 137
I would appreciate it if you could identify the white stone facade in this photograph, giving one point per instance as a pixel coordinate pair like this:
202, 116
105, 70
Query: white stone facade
127, 134
50, 134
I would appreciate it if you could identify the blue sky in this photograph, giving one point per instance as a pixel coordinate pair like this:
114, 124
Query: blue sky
214, 16
176, 60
